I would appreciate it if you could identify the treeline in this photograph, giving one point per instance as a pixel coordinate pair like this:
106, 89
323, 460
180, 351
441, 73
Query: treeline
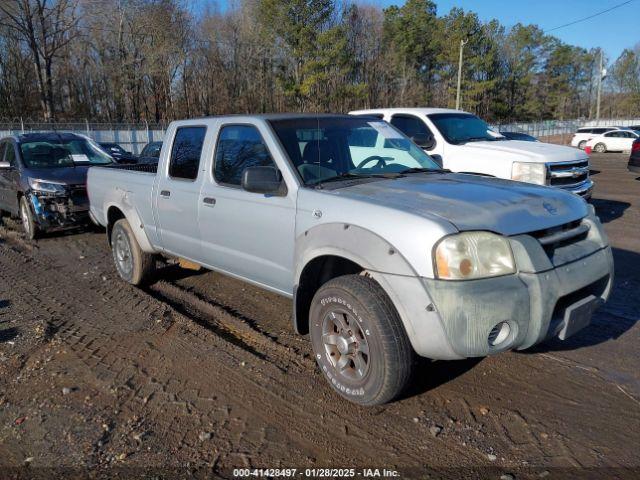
156, 60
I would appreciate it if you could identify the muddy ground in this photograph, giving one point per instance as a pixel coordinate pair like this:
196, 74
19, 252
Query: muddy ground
199, 374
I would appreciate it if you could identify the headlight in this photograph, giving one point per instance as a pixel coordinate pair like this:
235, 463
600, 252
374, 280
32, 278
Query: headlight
46, 187
471, 255
529, 172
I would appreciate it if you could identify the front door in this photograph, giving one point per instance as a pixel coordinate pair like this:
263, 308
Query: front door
178, 192
246, 234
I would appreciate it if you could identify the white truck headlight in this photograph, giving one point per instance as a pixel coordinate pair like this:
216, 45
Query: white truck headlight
46, 186
472, 255
529, 172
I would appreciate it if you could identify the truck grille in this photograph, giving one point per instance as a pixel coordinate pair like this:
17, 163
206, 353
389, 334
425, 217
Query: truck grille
568, 174
562, 235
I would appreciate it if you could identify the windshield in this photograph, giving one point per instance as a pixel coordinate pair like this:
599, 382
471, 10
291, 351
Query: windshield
330, 148
62, 153
459, 128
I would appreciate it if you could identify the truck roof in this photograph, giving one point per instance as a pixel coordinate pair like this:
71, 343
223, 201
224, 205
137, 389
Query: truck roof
269, 116
45, 137
422, 111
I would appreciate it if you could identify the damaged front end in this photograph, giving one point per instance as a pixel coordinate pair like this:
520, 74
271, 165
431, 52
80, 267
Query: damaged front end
58, 206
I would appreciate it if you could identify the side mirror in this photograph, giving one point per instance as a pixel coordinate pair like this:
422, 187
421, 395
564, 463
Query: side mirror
261, 180
5, 165
437, 159
424, 141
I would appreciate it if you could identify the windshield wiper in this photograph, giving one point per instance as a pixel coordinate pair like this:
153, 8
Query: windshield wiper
349, 175
476, 139
424, 170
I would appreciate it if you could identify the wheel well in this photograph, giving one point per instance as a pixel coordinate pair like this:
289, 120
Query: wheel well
315, 274
113, 215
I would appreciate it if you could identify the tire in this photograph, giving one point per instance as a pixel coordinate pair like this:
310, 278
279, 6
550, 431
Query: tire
351, 315
600, 148
29, 224
582, 144
133, 265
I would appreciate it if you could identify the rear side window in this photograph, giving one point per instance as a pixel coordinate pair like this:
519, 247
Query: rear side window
186, 151
599, 131
410, 126
239, 147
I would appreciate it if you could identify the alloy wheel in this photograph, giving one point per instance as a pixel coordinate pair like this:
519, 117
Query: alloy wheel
345, 344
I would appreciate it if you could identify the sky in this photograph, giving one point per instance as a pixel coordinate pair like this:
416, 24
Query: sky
613, 31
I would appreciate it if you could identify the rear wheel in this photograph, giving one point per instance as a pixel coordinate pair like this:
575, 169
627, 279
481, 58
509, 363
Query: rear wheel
133, 264
28, 221
582, 144
359, 341
600, 148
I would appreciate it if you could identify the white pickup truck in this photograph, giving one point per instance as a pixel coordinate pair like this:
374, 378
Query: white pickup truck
384, 254
462, 142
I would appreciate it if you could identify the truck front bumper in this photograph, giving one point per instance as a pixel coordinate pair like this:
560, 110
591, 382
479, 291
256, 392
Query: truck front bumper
534, 306
554, 293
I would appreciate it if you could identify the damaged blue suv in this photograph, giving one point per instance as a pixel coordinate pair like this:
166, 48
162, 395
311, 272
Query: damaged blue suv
43, 179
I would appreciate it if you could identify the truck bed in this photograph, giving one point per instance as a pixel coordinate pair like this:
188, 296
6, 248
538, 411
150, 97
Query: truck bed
121, 185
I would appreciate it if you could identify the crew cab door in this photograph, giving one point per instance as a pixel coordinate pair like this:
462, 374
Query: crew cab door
177, 192
249, 235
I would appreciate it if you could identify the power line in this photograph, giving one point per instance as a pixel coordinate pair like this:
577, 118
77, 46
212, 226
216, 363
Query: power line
590, 16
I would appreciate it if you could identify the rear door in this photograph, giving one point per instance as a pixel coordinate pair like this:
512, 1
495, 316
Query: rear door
250, 235
177, 193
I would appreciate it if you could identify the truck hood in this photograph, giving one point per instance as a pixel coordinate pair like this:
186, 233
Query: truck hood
472, 202
516, 150
68, 175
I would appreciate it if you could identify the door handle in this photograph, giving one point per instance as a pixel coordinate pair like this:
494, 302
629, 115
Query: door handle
165, 193
208, 201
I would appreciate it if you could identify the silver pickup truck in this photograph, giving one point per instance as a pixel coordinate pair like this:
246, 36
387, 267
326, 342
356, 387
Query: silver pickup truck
384, 254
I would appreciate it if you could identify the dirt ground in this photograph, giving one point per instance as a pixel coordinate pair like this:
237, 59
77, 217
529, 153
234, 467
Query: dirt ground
200, 374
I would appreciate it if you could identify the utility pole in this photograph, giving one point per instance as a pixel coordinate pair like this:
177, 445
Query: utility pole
602, 74
462, 44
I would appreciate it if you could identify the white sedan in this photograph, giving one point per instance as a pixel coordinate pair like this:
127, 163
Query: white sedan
613, 141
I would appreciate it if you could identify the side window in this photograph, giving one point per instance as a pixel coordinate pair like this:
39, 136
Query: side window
10, 154
411, 126
185, 153
239, 147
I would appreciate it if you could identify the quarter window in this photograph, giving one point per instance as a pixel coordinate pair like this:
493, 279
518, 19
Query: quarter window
186, 152
239, 147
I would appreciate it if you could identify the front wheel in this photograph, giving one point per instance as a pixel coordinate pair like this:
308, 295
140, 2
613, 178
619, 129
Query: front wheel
28, 221
359, 341
133, 264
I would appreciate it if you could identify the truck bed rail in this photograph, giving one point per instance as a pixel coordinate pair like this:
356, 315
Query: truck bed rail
136, 167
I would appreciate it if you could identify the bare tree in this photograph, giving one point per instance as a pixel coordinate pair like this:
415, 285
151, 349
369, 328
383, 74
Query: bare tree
46, 27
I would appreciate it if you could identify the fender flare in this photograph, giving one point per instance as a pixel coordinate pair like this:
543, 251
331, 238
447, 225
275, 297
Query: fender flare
133, 217
359, 246
344, 240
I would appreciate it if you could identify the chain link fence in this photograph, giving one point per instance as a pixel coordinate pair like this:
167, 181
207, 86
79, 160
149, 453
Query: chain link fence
561, 131
131, 136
